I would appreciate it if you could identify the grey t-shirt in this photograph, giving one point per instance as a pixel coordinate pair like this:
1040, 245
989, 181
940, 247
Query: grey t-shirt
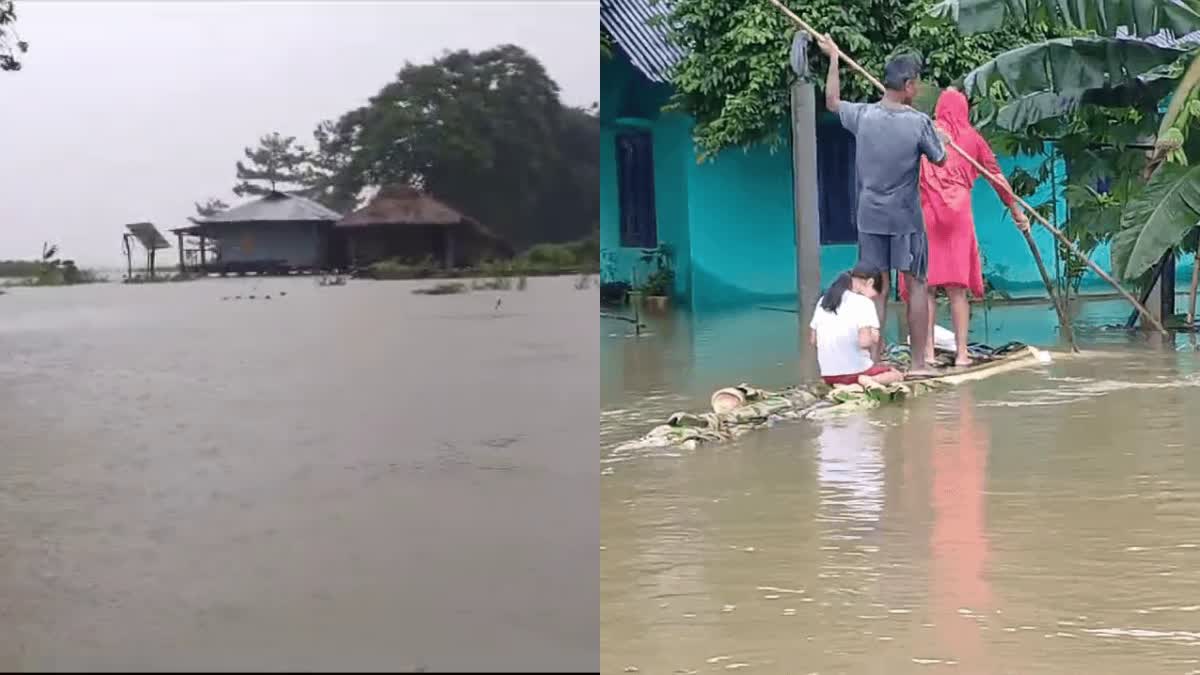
890, 142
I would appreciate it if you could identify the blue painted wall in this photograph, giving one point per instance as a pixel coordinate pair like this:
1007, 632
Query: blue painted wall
297, 244
729, 220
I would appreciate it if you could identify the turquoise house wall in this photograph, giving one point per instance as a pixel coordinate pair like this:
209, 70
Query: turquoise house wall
729, 220
743, 239
1006, 257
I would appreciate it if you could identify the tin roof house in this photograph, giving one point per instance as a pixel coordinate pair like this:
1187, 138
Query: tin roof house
276, 233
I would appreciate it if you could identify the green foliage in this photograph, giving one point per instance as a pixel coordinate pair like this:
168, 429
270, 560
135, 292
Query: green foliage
48, 270
661, 278
576, 257
1159, 219
447, 288
734, 78
211, 207
1051, 79
484, 132
1141, 17
487, 133
19, 268
1106, 99
11, 44
332, 176
277, 164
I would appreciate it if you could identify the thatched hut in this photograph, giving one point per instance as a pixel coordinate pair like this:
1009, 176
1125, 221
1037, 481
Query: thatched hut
403, 223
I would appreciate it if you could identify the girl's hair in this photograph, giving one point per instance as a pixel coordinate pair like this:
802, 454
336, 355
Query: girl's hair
833, 297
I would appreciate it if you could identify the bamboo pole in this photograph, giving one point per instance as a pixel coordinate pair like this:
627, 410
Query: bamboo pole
1059, 303
984, 172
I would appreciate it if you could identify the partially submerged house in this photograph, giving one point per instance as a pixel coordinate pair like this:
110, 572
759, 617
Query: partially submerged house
730, 222
276, 233
403, 223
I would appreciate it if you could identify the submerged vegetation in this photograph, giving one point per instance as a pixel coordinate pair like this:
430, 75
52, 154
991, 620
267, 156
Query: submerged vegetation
451, 288
48, 271
540, 260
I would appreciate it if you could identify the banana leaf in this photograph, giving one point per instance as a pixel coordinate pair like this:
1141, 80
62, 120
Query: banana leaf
1140, 17
1050, 79
1158, 218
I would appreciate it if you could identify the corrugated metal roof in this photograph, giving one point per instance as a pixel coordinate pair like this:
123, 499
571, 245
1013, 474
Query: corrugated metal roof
1163, 38
275, 207
628, 22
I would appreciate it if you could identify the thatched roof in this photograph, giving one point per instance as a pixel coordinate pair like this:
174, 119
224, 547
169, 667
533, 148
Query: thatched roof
404, 205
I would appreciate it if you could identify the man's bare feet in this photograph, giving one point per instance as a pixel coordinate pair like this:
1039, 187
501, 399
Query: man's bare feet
963, 361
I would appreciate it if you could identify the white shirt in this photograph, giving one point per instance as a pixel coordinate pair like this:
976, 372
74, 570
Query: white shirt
838, 352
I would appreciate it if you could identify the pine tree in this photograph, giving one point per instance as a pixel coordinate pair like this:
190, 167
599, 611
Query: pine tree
278, 164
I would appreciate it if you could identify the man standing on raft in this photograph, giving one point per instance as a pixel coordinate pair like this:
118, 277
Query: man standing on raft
891, 139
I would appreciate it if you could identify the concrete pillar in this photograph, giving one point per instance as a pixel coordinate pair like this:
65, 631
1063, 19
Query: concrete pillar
806, 216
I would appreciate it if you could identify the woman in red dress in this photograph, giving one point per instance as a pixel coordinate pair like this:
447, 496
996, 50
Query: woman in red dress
946, 202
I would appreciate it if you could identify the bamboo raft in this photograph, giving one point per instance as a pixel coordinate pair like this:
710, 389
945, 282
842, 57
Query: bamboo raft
754, 408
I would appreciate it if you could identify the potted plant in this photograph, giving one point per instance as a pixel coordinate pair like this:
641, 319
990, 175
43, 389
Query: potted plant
660, 281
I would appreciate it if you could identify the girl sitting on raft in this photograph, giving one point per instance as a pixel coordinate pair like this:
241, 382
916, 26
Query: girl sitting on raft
845, 326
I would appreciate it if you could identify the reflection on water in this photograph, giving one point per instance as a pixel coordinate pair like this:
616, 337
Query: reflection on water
1044, 521
337, 478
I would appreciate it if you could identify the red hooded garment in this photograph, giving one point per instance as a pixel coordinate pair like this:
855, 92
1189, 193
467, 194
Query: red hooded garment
946, 200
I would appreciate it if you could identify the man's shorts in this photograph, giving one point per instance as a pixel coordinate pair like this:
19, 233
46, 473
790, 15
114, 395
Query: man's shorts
901, 252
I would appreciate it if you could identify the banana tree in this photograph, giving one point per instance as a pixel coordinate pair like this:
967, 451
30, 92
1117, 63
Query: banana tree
1042, 84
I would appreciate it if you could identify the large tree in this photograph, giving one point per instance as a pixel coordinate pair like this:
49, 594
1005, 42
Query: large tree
277, 164
333, 175
486, 132
11, 44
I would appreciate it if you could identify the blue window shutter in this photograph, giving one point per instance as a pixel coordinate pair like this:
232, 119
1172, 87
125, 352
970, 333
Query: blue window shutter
635, 189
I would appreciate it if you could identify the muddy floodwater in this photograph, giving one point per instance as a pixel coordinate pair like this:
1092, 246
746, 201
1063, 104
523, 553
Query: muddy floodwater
336, 478
1043, 521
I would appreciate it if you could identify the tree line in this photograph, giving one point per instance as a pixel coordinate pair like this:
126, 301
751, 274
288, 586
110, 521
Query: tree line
484, 132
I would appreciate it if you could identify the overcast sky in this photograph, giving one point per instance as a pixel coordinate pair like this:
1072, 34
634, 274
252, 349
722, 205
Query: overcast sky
131, 111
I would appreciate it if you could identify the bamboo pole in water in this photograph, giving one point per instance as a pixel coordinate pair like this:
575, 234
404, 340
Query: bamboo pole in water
1059, 303
984, 172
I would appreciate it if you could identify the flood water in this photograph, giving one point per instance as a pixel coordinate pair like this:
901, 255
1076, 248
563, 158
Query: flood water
337, 478
1043, 521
